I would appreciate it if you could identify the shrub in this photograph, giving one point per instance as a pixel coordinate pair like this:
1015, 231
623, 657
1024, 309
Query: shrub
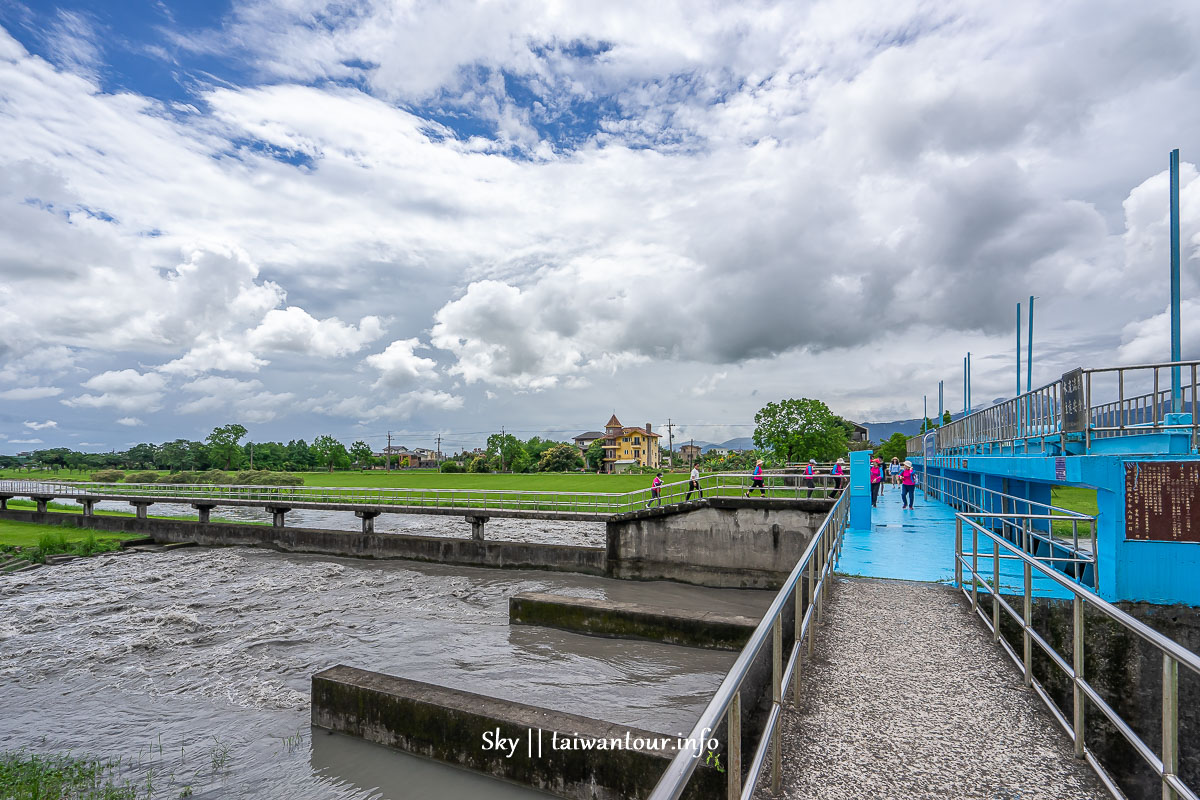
141, 477
216, 476
479, 464
108, 476
276, 479
450, 467
180, 477
50, 543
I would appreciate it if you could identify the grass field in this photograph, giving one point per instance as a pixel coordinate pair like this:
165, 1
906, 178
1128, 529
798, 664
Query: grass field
26, 534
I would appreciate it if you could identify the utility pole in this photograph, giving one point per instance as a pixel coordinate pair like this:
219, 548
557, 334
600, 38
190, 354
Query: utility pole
925, 415
252, 456
387, 454
692, 454
1029, 360
941, 401
437, 455
671, 441
502, 434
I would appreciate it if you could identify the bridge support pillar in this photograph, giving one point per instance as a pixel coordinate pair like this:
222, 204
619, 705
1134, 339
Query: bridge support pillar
277, 515
41, 503
89, 506
141, 506
477, 524
368, 520
202, 511
4, 502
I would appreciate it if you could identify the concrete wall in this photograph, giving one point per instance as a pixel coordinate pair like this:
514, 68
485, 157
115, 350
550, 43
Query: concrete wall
509, 555
693, 628
1127, 672
722, 542
450, 725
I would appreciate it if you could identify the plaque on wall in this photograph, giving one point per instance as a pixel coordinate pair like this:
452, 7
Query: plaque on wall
1162, 501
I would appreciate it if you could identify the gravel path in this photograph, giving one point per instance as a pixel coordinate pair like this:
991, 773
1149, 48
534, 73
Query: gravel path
907, 698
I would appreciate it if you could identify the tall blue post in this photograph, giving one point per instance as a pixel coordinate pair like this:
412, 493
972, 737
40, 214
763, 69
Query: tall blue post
964, 386
1176, 344
860, 490
925, 417
1018, 394
1029, 360
941, 402
969, 405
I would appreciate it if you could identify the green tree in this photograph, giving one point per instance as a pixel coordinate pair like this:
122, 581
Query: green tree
595, 454
561, 458
799, 429
508, 448
946, 418
927, 425
478, 464
223, 442
329, 452
895, 447
360, 451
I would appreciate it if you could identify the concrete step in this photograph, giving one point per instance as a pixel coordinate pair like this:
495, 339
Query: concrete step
128, 543
9, 562
177, 545
14, 566
27, 568
60, 559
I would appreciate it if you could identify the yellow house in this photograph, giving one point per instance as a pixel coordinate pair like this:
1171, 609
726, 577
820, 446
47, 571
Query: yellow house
629, 447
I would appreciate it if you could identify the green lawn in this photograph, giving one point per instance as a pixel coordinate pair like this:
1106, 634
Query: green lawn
1073, 498
25, 534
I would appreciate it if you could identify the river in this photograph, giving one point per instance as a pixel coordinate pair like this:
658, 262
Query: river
195, 664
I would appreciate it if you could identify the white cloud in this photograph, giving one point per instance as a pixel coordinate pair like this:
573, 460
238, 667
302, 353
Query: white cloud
248, 400
399, 367
31, 393
40, 426
124, 390
397, 407
26, 441
92, 444
295, 330
129, 422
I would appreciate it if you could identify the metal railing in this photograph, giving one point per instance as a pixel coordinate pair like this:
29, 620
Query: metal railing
722, 484
1112, 401
1166, 765
814, 570
1024, 521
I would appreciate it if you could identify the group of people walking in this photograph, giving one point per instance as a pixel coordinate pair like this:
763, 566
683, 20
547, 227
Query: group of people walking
902, 475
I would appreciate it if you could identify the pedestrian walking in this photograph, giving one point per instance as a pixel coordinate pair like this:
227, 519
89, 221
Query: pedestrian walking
908, 485
810, 472
757, 479
656, 491
839, 469
876, 480
694, 485
894, 470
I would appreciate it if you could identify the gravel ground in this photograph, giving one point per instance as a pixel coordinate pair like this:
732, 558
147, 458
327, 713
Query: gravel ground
907, 698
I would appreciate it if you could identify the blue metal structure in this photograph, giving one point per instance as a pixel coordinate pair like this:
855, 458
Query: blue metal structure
1176, 343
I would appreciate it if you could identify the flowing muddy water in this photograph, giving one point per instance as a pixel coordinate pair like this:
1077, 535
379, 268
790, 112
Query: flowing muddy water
196, 663
584, 534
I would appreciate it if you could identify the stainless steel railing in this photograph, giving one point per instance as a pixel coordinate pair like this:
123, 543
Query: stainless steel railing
724, 484
966, 563
1025, 521
1096, 403
814, 569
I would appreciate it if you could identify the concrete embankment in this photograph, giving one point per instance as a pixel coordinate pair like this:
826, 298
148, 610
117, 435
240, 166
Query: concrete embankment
567, 754
509, 555
692, 628
721, 542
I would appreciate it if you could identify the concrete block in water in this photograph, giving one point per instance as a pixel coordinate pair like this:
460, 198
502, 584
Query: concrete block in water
534, 746
631, 620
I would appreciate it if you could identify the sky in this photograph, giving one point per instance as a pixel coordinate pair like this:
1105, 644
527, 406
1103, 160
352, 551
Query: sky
450, 218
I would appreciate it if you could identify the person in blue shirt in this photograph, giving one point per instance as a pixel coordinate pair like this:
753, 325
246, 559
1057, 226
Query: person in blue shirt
757, 479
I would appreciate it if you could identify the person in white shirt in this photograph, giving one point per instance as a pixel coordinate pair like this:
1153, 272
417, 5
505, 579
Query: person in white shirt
694, 485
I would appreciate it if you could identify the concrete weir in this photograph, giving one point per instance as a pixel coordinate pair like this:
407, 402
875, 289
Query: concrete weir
720, 542
567, 754
705, 629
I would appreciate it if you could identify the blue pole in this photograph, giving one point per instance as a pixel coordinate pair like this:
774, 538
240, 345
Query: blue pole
1176, 343
964, 386
1018, 350
969, 406
925, 418
1029, 360
941, 407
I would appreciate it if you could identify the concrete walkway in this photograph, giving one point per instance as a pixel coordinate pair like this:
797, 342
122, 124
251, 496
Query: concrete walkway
908, 698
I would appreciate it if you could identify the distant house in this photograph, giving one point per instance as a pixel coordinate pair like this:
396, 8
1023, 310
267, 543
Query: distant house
690, 452
858, 433
720, 451
584, 440
624, 447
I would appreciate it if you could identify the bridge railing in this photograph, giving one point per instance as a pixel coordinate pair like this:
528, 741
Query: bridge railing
722, 484
814, 570
1107, 402
1025, 521
1165, 762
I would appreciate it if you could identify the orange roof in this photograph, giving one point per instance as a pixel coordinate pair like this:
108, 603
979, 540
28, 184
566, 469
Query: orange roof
642, 431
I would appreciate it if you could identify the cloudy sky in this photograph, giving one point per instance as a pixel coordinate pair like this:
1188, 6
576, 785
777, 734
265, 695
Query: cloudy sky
368, 215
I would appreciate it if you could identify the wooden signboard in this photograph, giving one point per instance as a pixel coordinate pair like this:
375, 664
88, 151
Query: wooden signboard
1074, 402
1162, 501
